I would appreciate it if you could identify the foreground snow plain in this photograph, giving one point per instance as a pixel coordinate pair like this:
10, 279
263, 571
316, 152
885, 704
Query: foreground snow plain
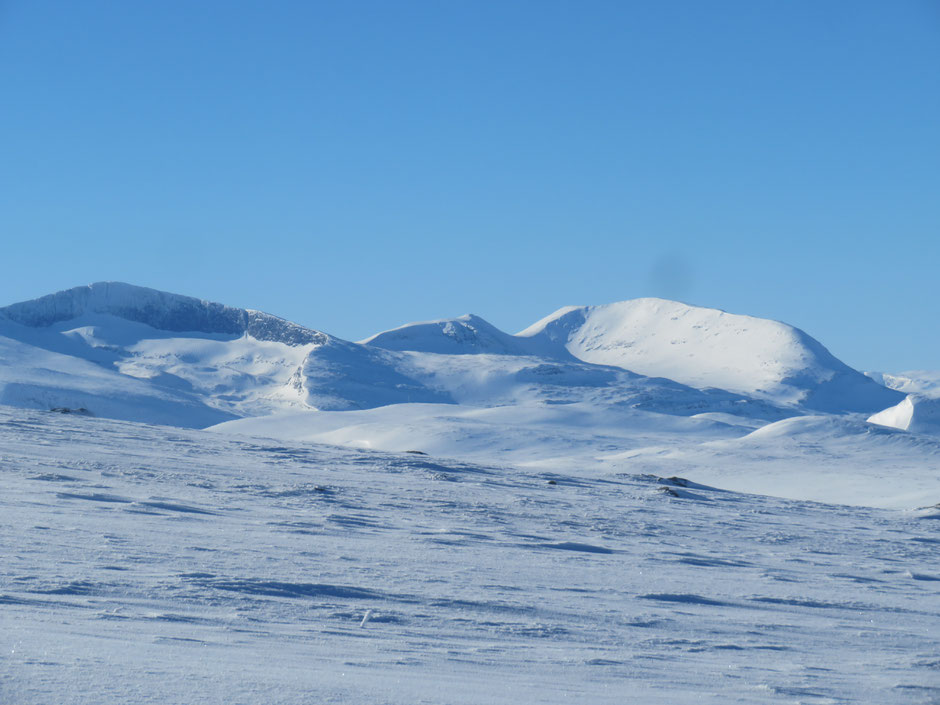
150, 564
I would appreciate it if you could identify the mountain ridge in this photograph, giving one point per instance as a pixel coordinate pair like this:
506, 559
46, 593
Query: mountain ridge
247, 363
695, 346
158, 309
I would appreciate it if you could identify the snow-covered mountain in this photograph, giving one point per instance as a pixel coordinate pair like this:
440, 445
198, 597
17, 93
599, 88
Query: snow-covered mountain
923, 382
211, 362
159, 310
697, 347
457, 336
129, 352
605, 387
475, 363
705, 347
555, 524
35, 377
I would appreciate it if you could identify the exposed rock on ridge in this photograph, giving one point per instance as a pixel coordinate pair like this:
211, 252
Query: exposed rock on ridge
160, 310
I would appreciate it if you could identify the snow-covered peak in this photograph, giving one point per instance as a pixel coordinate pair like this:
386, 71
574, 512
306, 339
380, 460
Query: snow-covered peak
246, 362
463, 335
671, 339
706, 347
160, 310
923, 382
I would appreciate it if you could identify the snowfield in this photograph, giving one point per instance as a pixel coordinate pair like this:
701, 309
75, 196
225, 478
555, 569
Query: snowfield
818, 458
644, 501
158, 565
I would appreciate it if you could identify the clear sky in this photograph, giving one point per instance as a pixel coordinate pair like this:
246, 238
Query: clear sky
354, 166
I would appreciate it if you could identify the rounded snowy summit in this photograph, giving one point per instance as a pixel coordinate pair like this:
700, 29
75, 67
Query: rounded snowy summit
705, 347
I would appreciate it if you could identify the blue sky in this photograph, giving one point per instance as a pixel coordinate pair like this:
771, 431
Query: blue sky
354, 166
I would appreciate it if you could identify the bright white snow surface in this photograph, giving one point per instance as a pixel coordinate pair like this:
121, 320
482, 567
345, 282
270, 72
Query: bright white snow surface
705, 347
146, 564
916, 413
823, 458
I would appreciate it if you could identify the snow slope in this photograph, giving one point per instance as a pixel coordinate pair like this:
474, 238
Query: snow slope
570, 437
339, 375
153, 565
36, 378
924, 382
705, 347
819, 458
822, 458
159, 310
234, 362
916, 412
458, 336
169, 349
101, 355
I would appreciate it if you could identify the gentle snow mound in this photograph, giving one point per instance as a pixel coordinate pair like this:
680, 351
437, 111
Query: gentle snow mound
457, 336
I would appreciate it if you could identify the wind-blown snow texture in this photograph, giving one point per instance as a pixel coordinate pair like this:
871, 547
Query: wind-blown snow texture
154, 565
558, 559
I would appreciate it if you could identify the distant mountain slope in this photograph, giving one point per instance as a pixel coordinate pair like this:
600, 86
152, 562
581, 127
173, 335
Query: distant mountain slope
157, 309
705, 347
456, 336
176, 357
175, 349
34, 378
924, 382
169, 347
341, 376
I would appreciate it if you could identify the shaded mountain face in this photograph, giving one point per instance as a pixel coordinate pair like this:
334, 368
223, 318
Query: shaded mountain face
130, 352
159, 310
208, 361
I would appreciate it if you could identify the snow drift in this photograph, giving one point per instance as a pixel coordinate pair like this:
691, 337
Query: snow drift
916, 413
